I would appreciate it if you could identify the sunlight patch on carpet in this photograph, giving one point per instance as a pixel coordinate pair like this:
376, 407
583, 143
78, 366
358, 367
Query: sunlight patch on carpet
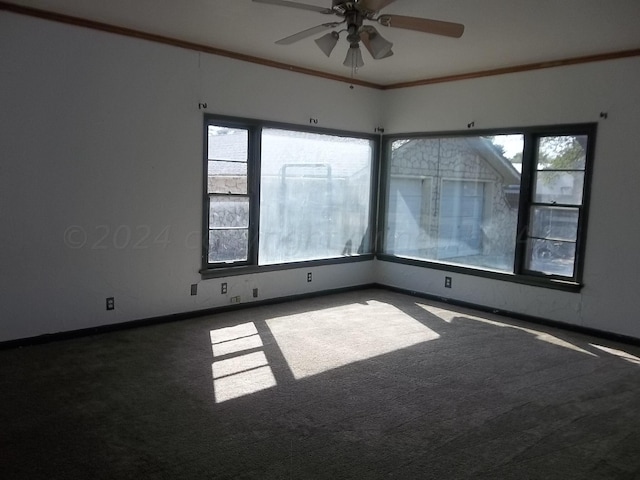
235, 339
317, 341
618, 353
451, 316
240, 367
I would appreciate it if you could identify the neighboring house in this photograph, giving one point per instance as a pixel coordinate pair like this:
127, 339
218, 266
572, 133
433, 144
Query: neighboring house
452, 199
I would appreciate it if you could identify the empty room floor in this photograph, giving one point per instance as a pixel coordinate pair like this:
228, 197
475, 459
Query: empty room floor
367, 384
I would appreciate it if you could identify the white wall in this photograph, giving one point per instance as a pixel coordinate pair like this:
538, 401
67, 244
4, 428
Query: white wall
101, 137
573, 94
101, 173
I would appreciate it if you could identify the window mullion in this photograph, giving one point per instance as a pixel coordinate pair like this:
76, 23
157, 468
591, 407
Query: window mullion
526, 189
253, 184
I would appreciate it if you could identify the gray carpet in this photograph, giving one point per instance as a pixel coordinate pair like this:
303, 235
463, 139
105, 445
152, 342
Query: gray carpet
362, 385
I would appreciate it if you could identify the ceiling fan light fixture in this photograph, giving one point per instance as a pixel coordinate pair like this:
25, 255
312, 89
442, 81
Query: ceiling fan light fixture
354, 57
378, 46
328, 42
353, 13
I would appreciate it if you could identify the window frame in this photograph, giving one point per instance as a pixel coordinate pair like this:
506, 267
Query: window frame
253, 191
255, 127
528, 202
520, 274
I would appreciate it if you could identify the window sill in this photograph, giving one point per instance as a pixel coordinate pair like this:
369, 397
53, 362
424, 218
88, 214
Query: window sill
230, 271
534, 281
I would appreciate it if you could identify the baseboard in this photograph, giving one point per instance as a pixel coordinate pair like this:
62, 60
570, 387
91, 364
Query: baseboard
518, 316
54, 337
84, 332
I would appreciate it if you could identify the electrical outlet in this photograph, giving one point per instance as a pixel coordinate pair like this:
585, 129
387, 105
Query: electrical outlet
309, 277
111, 303
223, 288
447, 282
255, 293
235, 299
194, 289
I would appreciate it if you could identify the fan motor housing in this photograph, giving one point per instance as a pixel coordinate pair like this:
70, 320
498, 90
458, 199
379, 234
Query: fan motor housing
341, 7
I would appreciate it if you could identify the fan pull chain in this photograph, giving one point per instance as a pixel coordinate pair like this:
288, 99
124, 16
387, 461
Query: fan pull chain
354, 70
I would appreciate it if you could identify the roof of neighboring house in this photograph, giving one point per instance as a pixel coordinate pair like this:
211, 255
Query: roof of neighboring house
487, 150
494, 157
286, 150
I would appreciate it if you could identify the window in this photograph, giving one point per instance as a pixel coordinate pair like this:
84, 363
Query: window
501, 203
315, 196
447, 200
228, 195
556, 205
277, 195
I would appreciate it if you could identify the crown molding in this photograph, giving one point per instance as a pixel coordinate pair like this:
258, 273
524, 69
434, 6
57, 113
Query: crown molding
128, 32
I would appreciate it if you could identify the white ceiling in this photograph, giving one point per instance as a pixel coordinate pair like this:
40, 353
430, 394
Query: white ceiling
499, 33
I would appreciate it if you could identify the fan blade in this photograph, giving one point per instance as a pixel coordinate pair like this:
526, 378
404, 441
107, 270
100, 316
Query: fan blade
302, 6
307, 33
425, 25
375, 5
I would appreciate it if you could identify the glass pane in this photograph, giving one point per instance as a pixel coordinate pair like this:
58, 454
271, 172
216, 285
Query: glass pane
455, 200
551, 257
314, 197
227, 144
566, 152
555, 223
228, 245
510, 147
226, 212
559, 187
460, 220
227, 177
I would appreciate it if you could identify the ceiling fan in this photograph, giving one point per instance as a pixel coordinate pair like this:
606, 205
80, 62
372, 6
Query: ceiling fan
354, 14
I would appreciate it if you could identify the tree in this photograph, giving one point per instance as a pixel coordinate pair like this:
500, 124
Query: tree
562, 153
